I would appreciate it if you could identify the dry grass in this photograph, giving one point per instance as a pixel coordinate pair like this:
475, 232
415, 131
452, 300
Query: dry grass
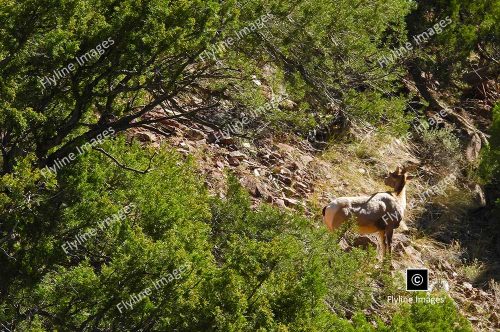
495, 287
472, 270
358, 167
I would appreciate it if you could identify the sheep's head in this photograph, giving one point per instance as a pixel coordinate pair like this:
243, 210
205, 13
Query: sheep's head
398, 178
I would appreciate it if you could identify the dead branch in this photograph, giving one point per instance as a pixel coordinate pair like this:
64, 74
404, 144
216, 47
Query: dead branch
184, 114
157, 130
125, 166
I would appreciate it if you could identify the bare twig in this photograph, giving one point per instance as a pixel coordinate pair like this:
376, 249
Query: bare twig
184, 114
124, 166
157, 130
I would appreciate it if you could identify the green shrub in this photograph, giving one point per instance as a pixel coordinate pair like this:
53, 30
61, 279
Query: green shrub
423, 317
412, 318
251, 269
440, 147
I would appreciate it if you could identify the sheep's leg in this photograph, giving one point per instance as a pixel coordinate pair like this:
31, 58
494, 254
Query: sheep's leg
381, 237
388, 240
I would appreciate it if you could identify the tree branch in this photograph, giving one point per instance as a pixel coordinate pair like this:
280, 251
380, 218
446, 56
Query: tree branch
184, 114
124, 166
157, 130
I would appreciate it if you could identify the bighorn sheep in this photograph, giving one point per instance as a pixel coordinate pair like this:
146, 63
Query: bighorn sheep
379, 213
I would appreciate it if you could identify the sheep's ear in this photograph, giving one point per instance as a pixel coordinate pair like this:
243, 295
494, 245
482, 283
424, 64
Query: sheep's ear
410, 177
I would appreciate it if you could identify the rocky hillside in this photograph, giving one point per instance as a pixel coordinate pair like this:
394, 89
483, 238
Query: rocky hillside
290, 172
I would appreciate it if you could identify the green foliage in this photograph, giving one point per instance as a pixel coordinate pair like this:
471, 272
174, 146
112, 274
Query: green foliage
251, 269
149, 47
261, 269
440, 147
471, 39
372, 107
425, 317
329, 59
418, 317
316, 52
490, 161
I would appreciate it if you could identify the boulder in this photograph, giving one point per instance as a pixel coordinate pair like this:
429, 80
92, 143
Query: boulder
255, 188
364, 241
473, 148
146, 136
194, 134
288, 104
401, 238
227, 141
233, 161
290, 202
479, 196
279, 202
237, 154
